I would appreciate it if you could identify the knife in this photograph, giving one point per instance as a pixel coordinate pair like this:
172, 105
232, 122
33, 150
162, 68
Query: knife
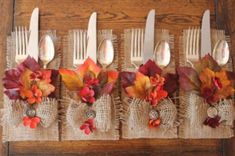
205, 34
91, 36
32, 48
149, 36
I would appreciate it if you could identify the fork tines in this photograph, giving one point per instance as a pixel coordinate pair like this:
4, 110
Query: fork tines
21, 43
137, 45
192, 48
79, 47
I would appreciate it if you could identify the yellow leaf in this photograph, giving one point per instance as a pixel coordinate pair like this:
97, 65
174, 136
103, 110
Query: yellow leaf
71, 79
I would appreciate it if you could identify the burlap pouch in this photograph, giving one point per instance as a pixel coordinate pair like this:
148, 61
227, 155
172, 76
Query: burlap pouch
135, 112
106, 107
193, 109
14, 111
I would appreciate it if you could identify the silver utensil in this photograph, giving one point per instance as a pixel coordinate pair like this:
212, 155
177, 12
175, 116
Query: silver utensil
221, 52
137, 44
21, 39
206, 34
79, 47
105, 53
91, 35
32, 48
162, 53
149, 36
192, 45
47, 50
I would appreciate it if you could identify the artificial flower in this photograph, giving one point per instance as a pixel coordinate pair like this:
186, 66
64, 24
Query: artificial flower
32, 122
28, 82
89, 81
207, 78
33, 95
88, 126
215, 85
156, 95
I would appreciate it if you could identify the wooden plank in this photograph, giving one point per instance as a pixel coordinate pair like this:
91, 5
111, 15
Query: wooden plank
229, 16
140, 145
6, 18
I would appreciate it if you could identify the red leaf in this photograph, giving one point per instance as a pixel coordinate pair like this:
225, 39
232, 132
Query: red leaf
150, 69
127, 79
31, 64
171, 83
107, 89
188, 78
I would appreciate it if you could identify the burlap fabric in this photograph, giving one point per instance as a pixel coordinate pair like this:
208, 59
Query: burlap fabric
135, 112
14, 111
193, 110
106, 107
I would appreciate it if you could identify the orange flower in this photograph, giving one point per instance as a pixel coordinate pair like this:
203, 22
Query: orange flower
156, 95
157, 80
34, 95
215, 85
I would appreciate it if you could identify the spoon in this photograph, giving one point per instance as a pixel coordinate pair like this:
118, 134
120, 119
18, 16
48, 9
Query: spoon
47, 50
105, 53
221, 52
162, 53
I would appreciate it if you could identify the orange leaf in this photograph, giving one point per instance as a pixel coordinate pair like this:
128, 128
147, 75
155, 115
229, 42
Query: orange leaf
45, 87
112, 76
25, 78
88, 66
71, 79
206, 76
141, 84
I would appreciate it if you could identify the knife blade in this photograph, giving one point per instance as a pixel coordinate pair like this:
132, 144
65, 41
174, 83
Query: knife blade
91, 36
205, 34
149, 36
32, 48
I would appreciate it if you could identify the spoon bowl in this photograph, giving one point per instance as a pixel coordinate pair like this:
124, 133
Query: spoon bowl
105, 53
47, 50
162, 53
221, 52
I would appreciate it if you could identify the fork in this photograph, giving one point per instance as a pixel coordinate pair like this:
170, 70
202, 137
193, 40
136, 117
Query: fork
192, 45
137, 45
79, 47
21, 40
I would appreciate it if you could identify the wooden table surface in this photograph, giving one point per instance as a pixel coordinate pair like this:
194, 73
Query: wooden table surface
63, 15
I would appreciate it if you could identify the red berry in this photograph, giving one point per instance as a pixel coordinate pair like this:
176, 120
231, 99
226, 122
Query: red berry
36, 120
33, 125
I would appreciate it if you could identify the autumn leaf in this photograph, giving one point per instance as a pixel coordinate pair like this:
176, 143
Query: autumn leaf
188, 79
150, 68
171, 83
71, 79
206, 62
88, 66
45, 87
31, 64
112, 76
215, 85
107, 88
127, 79
141, 85
25, 78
